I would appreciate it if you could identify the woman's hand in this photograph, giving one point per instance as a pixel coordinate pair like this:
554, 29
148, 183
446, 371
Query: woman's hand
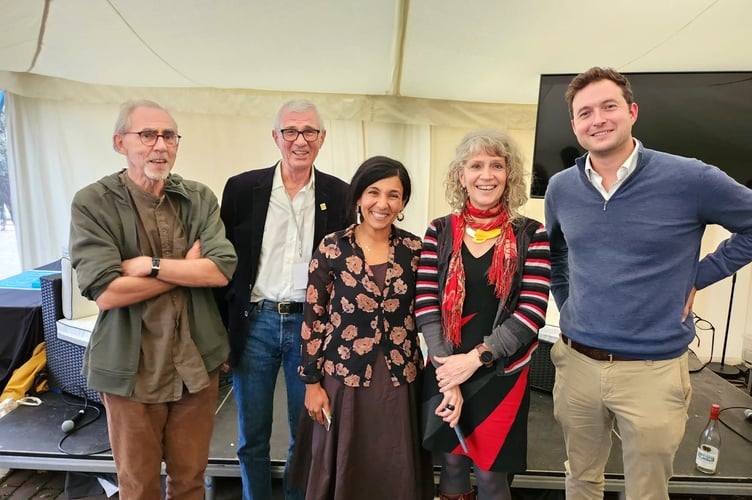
455, 369
450, 408
317, 403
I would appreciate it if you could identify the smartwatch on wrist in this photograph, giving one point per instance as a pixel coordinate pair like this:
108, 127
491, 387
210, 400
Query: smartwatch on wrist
485, 355
154, 267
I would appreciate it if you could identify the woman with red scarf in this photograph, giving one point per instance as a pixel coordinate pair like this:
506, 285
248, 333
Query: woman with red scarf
481, 297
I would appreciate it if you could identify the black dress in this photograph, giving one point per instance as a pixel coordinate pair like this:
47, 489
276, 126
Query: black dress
495, 408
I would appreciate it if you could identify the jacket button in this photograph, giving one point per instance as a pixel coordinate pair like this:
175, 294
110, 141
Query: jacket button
245, 313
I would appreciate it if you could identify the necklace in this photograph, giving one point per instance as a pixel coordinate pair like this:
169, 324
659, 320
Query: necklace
379, 241
481, 235
361, 239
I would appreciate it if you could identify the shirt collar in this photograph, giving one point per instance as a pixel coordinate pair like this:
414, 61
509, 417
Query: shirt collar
629, 165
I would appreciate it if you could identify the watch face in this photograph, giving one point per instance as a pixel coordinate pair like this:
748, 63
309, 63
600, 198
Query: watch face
486, 357
154, 267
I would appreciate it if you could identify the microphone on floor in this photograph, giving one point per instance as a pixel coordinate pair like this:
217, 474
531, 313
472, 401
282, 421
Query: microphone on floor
69, 425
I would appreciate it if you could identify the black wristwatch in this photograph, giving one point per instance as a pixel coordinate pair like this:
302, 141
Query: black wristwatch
154, 267
485, 355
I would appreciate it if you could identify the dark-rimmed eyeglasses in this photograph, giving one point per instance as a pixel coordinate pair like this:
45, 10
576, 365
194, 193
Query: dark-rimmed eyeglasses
150, 137
291, 135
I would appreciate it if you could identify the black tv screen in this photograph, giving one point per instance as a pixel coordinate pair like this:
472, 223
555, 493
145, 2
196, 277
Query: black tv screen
706, 115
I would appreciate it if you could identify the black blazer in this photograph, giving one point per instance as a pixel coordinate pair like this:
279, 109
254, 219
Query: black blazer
245, 202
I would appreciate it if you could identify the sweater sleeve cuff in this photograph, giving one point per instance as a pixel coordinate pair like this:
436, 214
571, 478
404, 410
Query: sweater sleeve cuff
435, 342
504, 341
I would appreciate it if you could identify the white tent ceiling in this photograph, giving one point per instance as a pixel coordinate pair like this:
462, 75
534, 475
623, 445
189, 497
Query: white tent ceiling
478, 50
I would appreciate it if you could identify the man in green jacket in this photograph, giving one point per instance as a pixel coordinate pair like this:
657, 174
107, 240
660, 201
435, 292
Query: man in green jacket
148, 247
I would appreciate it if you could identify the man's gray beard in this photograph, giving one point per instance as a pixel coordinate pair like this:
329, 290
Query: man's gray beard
154, 177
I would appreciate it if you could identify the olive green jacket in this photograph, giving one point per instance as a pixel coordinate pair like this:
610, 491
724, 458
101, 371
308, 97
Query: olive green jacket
102, 235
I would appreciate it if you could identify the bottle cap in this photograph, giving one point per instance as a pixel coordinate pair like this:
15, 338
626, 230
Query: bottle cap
715, 410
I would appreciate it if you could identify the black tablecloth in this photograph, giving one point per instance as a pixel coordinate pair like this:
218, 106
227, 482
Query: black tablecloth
20, 329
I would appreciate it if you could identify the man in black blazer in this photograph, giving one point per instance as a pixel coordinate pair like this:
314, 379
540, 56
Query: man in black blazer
274, 217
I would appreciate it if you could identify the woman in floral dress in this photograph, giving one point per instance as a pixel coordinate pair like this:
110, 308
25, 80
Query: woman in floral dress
361, 357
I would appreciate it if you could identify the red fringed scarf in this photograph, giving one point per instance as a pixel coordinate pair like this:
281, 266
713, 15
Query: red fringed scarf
503, 264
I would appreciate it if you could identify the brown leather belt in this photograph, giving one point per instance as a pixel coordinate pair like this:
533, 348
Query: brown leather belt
593, 353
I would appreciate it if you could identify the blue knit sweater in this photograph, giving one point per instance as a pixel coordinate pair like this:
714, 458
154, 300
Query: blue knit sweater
622, 269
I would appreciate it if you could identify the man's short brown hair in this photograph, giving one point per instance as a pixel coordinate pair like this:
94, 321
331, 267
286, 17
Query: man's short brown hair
595, 74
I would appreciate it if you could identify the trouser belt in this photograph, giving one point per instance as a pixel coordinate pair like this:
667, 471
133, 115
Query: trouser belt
281, 307
593, 353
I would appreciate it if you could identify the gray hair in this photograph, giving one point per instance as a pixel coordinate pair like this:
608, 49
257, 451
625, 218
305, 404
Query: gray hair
494, 143
298, 106
123, 122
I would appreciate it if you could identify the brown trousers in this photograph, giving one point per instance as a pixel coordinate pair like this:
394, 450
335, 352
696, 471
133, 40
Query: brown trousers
142, 435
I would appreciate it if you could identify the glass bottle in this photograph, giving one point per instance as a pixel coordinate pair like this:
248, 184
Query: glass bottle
709, 445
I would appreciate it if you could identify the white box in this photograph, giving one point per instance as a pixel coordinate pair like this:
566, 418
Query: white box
549, 333
76, 331
75, 306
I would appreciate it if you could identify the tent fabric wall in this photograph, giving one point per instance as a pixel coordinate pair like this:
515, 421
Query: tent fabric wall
60, 134
57, 147
263, 104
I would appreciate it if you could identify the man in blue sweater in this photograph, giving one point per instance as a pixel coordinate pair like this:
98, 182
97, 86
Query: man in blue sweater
625, 225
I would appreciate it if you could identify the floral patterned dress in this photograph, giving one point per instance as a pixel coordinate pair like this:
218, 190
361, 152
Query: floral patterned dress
360, 341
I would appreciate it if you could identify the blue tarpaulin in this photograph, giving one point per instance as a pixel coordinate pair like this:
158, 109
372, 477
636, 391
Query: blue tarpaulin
27, 280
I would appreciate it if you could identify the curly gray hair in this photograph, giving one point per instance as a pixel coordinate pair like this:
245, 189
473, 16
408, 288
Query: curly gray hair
494, 143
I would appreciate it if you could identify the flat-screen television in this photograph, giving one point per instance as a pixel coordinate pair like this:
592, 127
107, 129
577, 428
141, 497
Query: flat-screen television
704, 115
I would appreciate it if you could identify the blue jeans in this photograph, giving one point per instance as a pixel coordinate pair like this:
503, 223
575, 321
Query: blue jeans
273, 340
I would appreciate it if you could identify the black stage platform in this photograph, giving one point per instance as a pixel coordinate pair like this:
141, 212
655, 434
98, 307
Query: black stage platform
29, 440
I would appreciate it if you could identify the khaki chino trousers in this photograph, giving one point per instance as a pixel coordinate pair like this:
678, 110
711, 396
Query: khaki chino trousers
648, 401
